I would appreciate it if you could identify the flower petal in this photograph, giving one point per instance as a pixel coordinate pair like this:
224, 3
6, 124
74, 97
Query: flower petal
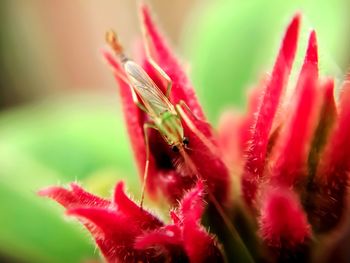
199, 245
113, 232
310, 65
283, 222
140, 217
235, 129
114, 225
169, 235
332, 178
293, 144
75, 197
326, 119
186, 233
255, 164
182, 89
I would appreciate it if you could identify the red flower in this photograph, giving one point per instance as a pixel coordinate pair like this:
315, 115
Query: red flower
290, 150
168, 170
125, 232
296, 170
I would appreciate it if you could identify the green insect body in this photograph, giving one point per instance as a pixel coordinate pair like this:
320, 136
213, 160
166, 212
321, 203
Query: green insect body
160, 110
170, 127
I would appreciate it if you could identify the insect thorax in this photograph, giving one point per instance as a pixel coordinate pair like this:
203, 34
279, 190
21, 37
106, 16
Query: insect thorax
170, 127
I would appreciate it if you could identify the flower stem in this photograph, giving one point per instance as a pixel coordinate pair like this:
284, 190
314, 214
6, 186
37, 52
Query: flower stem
236, 250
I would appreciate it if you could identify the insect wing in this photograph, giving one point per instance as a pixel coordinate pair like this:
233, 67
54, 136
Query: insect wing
152, 97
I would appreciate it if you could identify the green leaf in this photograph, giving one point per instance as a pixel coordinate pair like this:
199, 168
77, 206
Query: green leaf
53, 143
31, 228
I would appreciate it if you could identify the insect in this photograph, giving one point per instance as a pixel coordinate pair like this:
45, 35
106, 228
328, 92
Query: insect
164, 116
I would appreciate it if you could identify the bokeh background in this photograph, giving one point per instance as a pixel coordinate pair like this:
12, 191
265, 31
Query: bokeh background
60, 118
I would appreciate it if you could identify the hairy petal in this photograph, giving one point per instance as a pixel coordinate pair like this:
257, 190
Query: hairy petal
111, 234
332, 176
140, 217
114, 225
76, 197
186, 232
312, 196
229, 130
235, 129
326, 119
254, 166
196, 239
283, 222
182, 88
169, 235
294, 140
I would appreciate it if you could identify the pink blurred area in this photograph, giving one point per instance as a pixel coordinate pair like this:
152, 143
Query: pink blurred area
54, 46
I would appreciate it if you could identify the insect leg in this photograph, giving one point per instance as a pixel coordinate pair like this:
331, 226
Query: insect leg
183, 104
179, 108
161, 72
146, 126
136, 100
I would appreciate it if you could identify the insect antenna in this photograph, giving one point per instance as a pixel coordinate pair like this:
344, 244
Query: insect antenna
113, 41
180, 165
201, 151
188, 161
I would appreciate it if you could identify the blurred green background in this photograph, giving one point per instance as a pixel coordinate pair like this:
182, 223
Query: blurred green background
60, 118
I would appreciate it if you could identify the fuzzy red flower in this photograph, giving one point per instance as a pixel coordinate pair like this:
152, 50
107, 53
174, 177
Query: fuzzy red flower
296, 168
125, 232
291, 151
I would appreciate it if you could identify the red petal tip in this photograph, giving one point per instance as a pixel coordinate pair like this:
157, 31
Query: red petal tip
47, 191
328, 93
311, 53
290, 39
111, 60
119, 187
120, 198
145, 11
296, 19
